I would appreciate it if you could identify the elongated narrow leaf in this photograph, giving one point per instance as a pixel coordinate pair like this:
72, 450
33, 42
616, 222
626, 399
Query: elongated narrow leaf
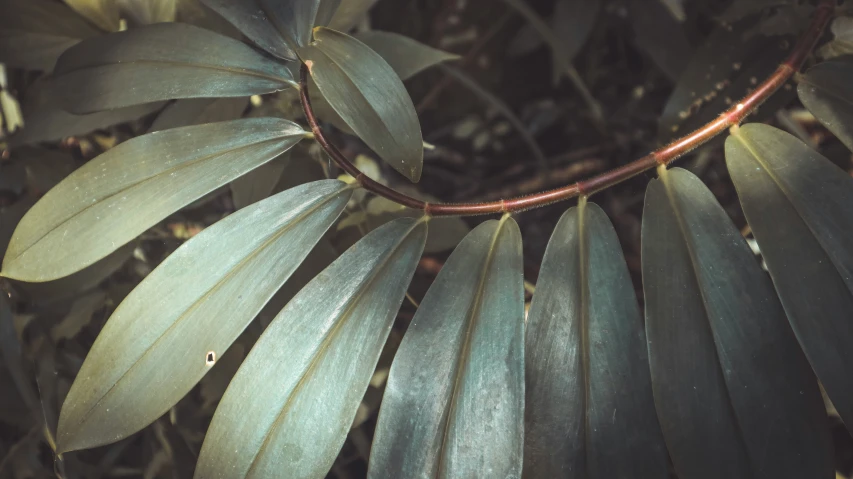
293, 18
798, 205
34, 33
291, 404
258, 183
827, 91
589, 409
364, 90
162, 62
326, 12
103, 13
197, 111
735, 396
252, 21
349, 13
454, 403
406, 56
166, 335
128, 189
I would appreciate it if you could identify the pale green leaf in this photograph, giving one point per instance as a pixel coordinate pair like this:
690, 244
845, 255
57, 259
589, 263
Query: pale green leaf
454, 403
735, 396
842, 43
123, 192
369, 96
33, 33
589, 409
145, 12
291, 404
168, 332
827, 91
406, 56
798, 205
103, 13
162, 62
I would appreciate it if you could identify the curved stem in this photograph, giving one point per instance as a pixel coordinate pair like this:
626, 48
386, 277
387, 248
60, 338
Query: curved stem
663, 156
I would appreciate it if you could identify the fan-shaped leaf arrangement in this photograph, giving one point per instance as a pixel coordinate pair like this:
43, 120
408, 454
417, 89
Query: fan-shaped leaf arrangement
734, 394
287, 411
589, 409
454, 403
369, 96
798, 205
118, 195
131, 67
189, 310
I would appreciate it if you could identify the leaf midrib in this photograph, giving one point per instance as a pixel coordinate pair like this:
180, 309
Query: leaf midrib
232, 272
325, 343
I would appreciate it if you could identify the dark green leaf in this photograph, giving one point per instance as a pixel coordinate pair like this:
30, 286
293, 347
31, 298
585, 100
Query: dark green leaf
128, 189
454, 403
258, 183
827, 91
589, 409
366, 92
798, 205
293, 18
162, 62
291, 404
734, 394
33, 33
406, 56
252, 21
349, 13
169, 331
326, 12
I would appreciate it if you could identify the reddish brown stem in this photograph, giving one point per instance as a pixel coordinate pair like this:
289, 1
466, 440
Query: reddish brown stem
669, 153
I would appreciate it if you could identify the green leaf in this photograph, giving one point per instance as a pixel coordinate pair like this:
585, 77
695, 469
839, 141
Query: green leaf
589, 407
34, 33
167, 333
454, 403
293, 18
258, 183
118, 195
197, 111
842, 42
162, 62
45, 120
349, 13
326, 12
734, 394
291, 404
366, 92
827, 92
406, 56
146, 12
798, 205
248, 17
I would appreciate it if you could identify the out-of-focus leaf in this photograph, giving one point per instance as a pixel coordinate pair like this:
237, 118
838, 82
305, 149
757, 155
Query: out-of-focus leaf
293, 18
146, 12
454, 403
162, 62
842, 43
33, 33
827, 91
248, 17
349, 13
589, 409
798, 205
128, 189
366, 92
168, 332
258, 183
445, 234
660, 36
10, 352
45, 120
45, 168
326, 12
10, 216
291, 404
103, 13
734, 394
197, 111
406, 56
572, 23
721, 71
79, 316
739, 10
